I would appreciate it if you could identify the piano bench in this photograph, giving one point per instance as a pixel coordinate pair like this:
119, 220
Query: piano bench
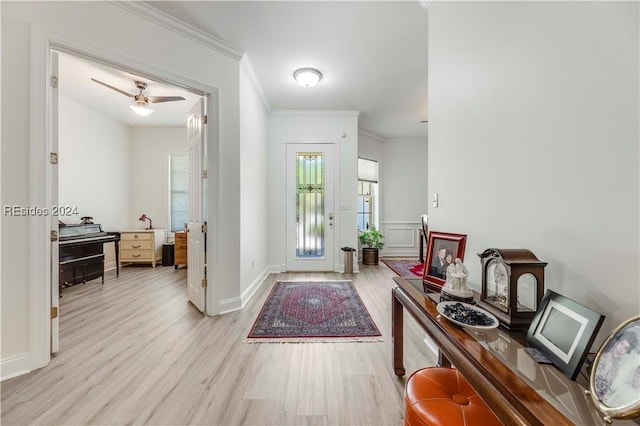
437, 396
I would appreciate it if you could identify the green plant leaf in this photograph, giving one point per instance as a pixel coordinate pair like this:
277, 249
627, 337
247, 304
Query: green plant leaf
371, 238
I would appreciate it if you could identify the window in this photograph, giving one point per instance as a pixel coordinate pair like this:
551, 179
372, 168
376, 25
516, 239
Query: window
178, 191
310, 208
367, 193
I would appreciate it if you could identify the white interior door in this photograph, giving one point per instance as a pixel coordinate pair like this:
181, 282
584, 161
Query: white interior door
53, 167
197, 223
310, 206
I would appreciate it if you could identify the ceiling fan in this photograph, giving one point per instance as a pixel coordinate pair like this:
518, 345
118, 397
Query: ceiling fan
141, 101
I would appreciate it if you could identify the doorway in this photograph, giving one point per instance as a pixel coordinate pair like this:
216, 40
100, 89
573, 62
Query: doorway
105, 172
310, 207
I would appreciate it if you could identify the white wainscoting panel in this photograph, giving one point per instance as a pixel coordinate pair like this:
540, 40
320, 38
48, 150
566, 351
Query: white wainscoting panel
400, 238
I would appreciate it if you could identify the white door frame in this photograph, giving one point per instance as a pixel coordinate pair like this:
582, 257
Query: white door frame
336, 197
42, 43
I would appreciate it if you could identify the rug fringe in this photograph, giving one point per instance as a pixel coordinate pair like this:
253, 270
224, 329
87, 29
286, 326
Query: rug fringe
317, 340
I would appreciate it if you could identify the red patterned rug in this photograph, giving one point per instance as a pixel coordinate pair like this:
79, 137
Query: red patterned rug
313, 309
404, 266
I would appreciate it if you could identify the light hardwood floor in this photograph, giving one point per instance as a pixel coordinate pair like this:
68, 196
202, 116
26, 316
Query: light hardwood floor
134, 351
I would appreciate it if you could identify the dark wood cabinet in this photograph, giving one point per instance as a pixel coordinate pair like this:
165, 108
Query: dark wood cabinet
180, 249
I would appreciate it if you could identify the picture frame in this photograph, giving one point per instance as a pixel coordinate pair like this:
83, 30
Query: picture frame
564, 330
434, 269
614, 382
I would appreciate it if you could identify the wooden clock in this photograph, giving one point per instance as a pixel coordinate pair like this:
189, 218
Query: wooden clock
512, 285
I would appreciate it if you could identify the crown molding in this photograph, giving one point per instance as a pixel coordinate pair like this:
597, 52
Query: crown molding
371, 135
425, 4
177, 26
314, 112
246, 65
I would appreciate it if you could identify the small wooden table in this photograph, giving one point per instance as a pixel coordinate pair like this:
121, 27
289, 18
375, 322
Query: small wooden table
519, 391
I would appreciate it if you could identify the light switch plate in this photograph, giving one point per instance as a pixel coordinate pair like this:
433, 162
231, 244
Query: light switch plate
435, 200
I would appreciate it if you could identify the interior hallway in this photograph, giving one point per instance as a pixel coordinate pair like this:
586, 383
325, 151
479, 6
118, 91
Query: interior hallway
134, 351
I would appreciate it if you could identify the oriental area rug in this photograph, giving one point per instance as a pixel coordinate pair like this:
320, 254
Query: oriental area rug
313, 311
404, 266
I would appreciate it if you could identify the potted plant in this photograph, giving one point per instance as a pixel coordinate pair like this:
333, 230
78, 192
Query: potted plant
371, 240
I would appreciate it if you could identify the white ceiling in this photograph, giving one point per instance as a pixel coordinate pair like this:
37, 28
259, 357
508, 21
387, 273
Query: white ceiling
75, 83
373, 56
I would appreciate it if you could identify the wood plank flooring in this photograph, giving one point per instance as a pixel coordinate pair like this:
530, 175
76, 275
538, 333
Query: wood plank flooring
134, 351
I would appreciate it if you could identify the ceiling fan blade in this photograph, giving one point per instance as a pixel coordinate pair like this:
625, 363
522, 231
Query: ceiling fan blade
113, 88
157, 99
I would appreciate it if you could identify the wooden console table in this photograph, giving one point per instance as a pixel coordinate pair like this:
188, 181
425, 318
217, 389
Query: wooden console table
519, 391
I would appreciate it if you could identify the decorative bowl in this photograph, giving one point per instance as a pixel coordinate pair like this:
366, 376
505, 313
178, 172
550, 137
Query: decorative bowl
466, 315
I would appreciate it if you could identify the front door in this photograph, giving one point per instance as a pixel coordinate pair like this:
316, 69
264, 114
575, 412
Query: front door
310, 205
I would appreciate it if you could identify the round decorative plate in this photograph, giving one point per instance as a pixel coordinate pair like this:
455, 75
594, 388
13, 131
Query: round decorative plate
466, 315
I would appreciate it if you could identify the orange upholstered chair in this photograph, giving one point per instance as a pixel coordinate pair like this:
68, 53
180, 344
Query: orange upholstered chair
439, 396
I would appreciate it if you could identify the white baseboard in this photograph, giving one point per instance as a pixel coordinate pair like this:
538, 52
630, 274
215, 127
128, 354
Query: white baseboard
255, 285
236, 303
15, 366
399, 253
229, 305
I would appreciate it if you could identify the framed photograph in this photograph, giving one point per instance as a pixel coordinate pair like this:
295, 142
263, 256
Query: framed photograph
442, 250
564, 330
614, 383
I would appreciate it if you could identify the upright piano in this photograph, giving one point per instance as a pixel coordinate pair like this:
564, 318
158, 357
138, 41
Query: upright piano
81, 252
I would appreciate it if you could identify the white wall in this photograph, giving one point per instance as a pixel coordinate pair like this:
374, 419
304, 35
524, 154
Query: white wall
253, 186
403, 195
93, 168
14, 351
93, 165
371, 147
150, 150
292, 126
402, 171
134, 43
533, 140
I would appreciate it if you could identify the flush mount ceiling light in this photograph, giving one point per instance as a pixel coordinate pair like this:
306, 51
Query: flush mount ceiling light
307, 77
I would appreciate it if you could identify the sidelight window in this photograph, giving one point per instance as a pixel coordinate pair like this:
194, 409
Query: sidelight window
367, 193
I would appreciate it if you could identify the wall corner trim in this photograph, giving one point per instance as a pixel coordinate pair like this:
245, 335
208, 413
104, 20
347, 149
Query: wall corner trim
371, 135
314, 112
246, 65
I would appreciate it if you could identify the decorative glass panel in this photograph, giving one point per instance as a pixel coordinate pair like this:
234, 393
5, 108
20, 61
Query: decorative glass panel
497, 285
527, 284
310, 187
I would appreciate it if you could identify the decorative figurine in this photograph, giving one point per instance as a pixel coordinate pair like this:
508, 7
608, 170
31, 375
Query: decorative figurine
456, 286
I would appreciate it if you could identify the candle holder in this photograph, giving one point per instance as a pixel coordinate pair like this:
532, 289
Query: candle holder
143, 218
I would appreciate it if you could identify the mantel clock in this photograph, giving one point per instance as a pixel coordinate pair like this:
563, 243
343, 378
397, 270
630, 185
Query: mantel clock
512, 285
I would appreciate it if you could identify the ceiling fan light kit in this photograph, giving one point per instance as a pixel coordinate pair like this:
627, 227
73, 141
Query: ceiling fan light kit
141, 109
141, 102
307, 77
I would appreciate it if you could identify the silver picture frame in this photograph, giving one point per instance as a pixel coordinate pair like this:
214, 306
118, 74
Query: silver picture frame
614, 383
